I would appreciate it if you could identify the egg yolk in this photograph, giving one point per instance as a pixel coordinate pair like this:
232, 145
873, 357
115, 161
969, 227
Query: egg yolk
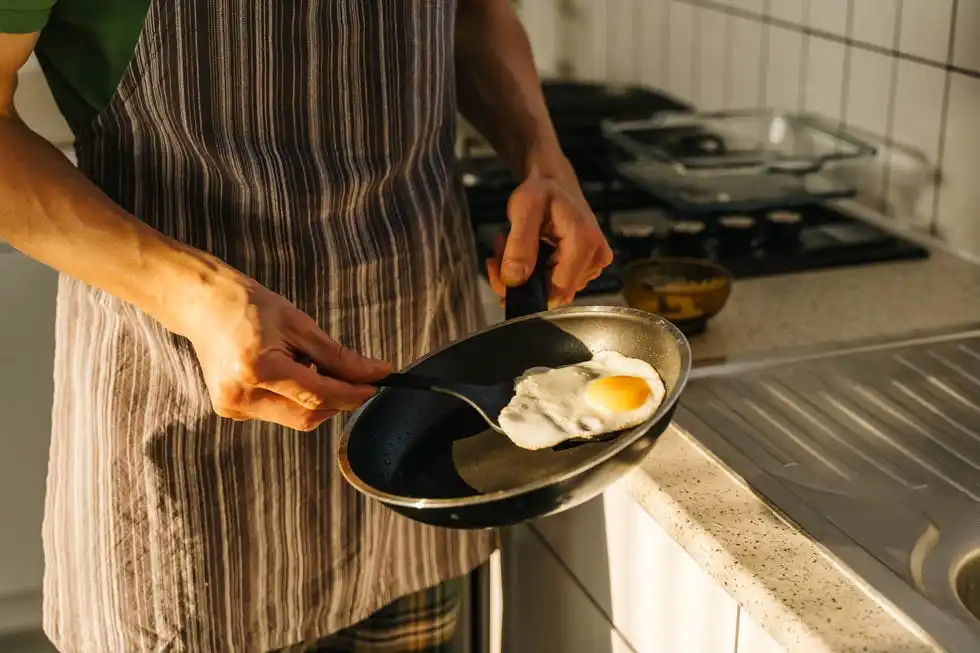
618, 393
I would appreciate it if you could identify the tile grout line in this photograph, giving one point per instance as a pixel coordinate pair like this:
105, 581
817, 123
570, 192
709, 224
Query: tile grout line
763, 95
665, 47
804, 61
738, 624
892, 101
543, 541
611, 72
728, 90
696, 55
829, 36
944, 122
845, 92
598, 48
637, 72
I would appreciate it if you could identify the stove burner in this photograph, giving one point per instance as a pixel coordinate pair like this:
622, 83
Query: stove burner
757, 244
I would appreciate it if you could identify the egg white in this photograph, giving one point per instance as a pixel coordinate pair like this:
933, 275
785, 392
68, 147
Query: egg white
550, 406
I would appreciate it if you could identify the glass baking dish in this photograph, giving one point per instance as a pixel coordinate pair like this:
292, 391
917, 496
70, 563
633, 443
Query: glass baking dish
744, 160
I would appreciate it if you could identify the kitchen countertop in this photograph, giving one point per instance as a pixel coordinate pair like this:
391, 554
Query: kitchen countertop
784, 580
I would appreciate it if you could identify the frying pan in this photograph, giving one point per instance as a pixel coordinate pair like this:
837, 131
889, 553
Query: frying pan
433, 459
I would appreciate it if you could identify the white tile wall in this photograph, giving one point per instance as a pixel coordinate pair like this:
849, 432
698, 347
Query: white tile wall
622, 64
959, 203
869, 91
650, 46
746, 61
966, 53
829, 16
874, 22
723, 54
715, 60
825, 70
918, 118
783, 62
682, 37
753, 6
887, 67
791, 11
925, 28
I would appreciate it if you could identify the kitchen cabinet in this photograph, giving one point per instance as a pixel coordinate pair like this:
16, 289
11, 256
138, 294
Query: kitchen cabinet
654, 593
545, 609
27, 295
753, 639
605, 577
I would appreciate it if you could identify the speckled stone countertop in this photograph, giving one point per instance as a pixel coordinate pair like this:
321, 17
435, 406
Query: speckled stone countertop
784, 580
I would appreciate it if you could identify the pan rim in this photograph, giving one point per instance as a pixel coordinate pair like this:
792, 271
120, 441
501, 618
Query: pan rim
480, 499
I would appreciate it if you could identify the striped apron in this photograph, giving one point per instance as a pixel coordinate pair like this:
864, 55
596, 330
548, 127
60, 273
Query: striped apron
308, 144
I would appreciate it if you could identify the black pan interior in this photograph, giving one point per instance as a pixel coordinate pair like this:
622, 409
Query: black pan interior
425, 445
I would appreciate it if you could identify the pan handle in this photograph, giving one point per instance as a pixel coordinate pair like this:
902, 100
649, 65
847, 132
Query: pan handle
409, 381
532, 297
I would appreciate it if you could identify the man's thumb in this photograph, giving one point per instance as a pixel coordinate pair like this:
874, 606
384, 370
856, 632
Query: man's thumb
526, 213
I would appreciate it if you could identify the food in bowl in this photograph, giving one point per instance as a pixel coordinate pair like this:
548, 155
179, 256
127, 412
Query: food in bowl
685, 291
609, 393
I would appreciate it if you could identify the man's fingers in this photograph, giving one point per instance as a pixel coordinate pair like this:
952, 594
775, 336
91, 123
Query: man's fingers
280, 374
269, 406
332, 358
574, 257
600, 261
493, 274
526, 211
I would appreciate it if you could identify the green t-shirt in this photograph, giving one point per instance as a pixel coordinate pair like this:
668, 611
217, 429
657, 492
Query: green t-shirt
84, 48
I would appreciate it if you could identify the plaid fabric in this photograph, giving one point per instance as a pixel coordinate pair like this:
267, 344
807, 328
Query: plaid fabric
424, 622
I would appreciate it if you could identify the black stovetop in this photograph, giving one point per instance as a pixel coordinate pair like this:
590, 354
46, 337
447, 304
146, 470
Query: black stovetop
827, 238
819, 236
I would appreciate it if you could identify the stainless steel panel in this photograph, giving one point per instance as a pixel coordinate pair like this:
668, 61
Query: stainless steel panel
876, 454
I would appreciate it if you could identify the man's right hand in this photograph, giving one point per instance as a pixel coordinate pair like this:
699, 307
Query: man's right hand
246, 337
255, 349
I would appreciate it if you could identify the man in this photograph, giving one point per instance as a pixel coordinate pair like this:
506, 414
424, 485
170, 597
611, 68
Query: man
253, 176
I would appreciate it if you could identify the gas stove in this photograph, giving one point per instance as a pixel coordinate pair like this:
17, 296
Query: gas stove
773, 234
764, 243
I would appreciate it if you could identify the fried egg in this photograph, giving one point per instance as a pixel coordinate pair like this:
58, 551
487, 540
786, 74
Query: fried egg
609, 393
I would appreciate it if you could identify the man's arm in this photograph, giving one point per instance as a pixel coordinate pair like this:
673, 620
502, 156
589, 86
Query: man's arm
500, 91
245, 336
52, 213
500, 94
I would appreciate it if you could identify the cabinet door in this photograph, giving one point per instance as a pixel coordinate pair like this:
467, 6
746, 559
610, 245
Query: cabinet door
545, 611
657, 596
753, 639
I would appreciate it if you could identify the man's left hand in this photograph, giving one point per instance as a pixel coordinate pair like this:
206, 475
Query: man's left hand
556, 211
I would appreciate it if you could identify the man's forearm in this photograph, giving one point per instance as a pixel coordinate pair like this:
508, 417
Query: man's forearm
500, 91
52, 213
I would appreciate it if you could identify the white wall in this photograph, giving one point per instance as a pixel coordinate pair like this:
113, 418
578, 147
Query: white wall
37, 108
907, 71
27, 305
27, 293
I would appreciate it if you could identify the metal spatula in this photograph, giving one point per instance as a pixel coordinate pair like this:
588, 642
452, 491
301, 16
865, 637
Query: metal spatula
488, 400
